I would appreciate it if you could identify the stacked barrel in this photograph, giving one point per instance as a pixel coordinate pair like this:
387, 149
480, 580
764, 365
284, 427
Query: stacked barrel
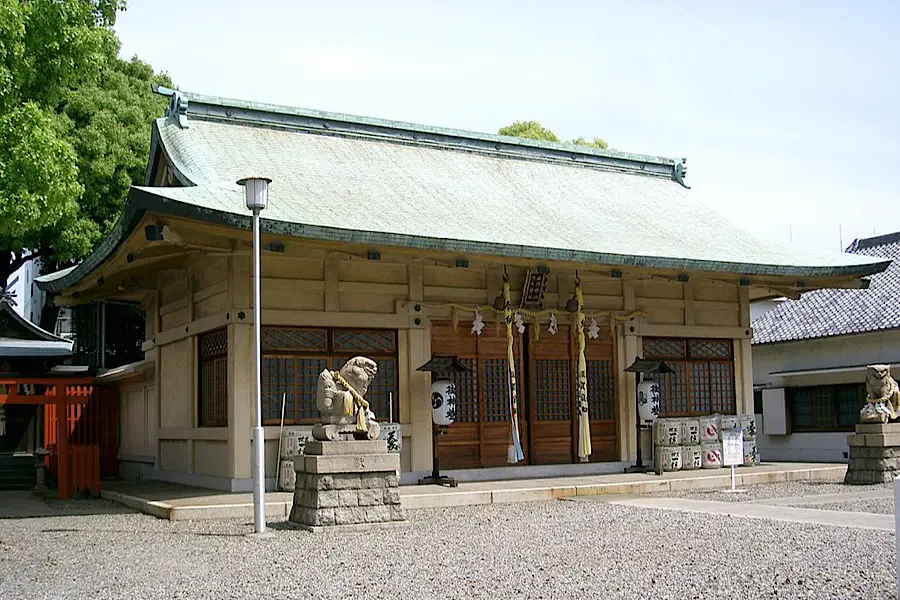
696, 443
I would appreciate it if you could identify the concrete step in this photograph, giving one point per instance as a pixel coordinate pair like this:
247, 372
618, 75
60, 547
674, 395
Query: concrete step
174, 502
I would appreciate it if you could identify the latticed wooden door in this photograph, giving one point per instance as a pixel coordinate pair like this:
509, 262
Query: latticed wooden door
551, 396
480, 435
601, 375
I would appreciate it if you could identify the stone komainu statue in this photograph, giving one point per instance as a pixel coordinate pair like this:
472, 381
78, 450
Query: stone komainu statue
883, 395
341, 401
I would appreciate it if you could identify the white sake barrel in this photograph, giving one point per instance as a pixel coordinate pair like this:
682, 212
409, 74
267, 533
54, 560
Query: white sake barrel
711, 455
748, 424
668, 458
293, 439
751, 454
690, 432
667, 432
287, 477
709, 429
443, 402
691, 457
728, 422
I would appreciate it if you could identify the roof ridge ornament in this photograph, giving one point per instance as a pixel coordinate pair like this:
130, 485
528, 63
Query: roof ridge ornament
178, 104
679, 171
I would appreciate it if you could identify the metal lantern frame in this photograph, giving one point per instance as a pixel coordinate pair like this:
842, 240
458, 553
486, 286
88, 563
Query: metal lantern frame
442, 367
641, 367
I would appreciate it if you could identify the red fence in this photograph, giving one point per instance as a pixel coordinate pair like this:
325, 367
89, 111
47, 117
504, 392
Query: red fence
83, 444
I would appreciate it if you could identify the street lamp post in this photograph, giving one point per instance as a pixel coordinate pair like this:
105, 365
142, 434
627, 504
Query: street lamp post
256, 194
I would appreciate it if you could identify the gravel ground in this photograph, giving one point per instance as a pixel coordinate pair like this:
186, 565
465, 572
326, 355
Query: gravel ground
560, 549
775, 490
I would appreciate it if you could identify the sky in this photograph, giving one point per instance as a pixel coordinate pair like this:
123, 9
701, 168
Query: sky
787, 112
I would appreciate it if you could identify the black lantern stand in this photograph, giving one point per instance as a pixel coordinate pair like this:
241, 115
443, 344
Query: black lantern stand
442, 367
641, 367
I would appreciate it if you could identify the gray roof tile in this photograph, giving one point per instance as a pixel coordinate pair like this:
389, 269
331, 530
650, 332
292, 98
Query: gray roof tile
825, 313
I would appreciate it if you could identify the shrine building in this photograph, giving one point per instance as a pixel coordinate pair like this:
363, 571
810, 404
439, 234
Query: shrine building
392, 240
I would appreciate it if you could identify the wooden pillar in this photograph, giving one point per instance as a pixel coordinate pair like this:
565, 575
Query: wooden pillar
63, 469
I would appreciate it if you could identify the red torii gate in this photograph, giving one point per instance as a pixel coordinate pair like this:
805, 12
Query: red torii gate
80, 427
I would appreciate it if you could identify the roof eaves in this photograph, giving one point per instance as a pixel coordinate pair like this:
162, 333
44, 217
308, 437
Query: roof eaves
132, 213
44, 335
823, 336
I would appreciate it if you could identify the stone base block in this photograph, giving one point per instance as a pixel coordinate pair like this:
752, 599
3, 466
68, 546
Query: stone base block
871, 463
336, 487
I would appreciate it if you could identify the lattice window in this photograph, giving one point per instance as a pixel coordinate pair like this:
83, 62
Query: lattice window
495, 387
295, 356
802, 409
721, 381
601, 390
294, 380
665, 348
382, 387
703, 382
552, 382
700, 394
673, 390
467, 392
372, 340
214, 344
824, 410
294, 338
850, 400
710, 348
213, 379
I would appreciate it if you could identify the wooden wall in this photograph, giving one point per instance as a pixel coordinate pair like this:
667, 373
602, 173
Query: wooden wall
306, 286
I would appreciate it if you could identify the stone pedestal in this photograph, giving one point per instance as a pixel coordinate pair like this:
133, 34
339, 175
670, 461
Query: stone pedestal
349, 484
874, 453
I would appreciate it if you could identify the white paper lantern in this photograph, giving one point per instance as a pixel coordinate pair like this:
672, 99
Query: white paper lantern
648, 400
443, 402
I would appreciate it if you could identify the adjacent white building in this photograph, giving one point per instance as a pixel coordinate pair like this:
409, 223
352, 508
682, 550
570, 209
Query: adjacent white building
29, 299
810, 357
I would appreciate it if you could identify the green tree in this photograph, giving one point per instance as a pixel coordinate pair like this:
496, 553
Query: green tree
529, 129
535, 131
109, 129
46, 48
73, 129
595, 143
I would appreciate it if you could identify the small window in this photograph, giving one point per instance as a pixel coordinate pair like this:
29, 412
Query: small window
213, 379
826, 408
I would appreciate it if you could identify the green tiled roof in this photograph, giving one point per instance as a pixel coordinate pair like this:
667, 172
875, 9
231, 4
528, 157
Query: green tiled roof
373, 182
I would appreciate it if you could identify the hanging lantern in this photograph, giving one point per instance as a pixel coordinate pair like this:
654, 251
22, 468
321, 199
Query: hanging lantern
443, 402
648, 400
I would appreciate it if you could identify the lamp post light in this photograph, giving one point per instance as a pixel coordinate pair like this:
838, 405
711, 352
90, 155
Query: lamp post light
256, 194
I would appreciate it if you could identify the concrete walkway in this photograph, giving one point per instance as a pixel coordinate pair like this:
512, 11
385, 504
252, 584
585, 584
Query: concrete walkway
176, 502
755, 510
827, 498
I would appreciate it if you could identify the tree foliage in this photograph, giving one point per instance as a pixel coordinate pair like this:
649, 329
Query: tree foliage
73, 128
597, 142
529, 129
535, 131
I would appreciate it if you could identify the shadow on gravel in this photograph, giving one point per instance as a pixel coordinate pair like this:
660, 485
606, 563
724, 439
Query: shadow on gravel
26, 505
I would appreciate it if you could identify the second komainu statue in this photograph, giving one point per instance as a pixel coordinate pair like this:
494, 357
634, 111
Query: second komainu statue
882, 395
341, 401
